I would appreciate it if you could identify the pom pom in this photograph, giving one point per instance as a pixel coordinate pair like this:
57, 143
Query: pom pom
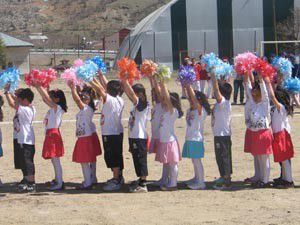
292, 85
223, 70
78, 63
128, 70
264, 68
69, 75
163, 72
148, 68
245, 63
284, 66
186, 75
41, 78
100, 63
10, 76
87, 71
211, 61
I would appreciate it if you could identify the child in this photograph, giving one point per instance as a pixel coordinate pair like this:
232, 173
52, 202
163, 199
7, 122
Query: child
110, 128
25, 134
283, 149
1, 120
221, 126
53, 147
258, 140
85, 148
138, 137
193, 147
168, 150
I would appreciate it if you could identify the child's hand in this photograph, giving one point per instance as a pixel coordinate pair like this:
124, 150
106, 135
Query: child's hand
7, 87
71, 84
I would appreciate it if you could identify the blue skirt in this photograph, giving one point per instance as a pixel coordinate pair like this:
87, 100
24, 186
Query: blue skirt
193, 150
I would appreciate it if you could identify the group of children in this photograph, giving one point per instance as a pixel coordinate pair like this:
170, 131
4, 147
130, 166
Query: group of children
268, 132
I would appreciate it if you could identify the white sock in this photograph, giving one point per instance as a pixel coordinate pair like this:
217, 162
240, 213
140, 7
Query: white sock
93, 168
199, 171
87, 174
287, 171
264, 166
256, 176
165, 175
57, 170
173, 175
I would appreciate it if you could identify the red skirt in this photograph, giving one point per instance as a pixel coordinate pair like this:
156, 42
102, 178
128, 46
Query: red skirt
283, 148
258, 142
84, 150
96, 142
53, 145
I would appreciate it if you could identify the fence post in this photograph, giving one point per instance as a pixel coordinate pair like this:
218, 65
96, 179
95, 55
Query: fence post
154, 47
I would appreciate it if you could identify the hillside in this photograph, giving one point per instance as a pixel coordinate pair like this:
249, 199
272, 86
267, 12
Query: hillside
63, 20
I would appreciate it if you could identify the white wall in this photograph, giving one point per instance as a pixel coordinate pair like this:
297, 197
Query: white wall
19, 56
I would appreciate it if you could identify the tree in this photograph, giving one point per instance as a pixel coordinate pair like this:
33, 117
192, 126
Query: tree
289, 30
2, 55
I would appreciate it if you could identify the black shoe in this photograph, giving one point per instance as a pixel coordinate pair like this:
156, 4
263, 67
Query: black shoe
261, 184
278, 180
31, 187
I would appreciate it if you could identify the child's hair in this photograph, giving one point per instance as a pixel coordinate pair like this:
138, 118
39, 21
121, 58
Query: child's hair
114, 88
204, 102
283, 97
256, 86
62, 98
1, 111
88, 92
140, 89
226, 90
175, 100
26, 93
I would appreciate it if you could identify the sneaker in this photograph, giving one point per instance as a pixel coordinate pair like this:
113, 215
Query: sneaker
197, 186
191, 181
219, 181
113, 185
165, 188
84, 188
51, 183
57, 187
31, 187
261, 184
139, 189
22, 186
251, 180
283, 184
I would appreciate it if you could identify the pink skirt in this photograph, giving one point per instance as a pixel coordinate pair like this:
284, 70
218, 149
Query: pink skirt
283, 148
53, 145
96, 142
153, 145
258, 142
168, 153
84, 150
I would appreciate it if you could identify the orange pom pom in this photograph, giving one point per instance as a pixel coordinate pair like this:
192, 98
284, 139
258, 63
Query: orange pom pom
128, 70
149, 68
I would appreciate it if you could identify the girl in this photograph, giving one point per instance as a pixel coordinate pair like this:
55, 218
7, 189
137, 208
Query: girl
283, 149
1, 120
168, 150
193, 147
53, 147
85, 148
137, 133
110, 127
258, 140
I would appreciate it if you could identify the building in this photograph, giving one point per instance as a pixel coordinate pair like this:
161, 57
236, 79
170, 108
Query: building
17, 52
113, 42
192, 27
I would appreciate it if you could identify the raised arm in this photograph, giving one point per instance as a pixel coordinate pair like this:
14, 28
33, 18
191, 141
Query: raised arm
192, 97
271, 92
96, 85
103, 80
263, 88
76, 97
12, 102
166, 96
156, 89
216, 89
129, 92
46, 98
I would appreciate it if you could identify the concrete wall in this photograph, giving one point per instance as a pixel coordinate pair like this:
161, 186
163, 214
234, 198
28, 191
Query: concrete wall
19, 56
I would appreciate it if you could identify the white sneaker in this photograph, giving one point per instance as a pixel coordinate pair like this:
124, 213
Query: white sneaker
197, 186
191, 181
113, 185
139, 189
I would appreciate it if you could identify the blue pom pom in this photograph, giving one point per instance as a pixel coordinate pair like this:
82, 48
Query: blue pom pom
211, 61
186, 75
284, 66
100, 63
223, 70
292, 85
87, 72
10, 76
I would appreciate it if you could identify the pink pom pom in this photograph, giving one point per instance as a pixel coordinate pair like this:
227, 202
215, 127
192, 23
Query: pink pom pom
78, 62
245, 63
41, 78
69, 75
265, 69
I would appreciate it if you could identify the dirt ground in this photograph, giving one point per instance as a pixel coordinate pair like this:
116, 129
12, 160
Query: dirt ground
241, 205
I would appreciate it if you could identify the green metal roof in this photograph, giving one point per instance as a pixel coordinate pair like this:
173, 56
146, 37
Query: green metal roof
10, 41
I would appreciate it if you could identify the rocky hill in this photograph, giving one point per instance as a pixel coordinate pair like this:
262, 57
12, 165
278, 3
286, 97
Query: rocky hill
63, 20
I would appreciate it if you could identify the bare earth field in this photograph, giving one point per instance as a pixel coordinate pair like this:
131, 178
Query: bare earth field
241, 205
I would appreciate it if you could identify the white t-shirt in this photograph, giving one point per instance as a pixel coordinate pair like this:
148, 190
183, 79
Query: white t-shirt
221, 118
84, 121
280, 120
166, 126
111, 116
24, 128
195, 125
53, 118
137, 123
155, 118
121, 101
258, 114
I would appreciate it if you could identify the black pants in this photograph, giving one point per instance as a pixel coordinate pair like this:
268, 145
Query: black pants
27, 159
138, 149
223, 155
113, 151
238, 85
18, 157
